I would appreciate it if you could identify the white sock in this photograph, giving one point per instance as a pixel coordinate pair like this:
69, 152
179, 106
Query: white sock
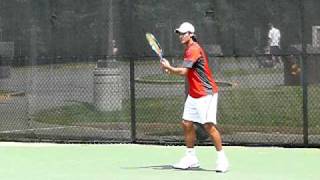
191, 152
221, 154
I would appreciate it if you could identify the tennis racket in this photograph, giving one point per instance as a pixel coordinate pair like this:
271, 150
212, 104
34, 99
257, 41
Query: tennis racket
155, 45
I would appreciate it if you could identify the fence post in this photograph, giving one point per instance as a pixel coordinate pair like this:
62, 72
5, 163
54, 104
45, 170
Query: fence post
132, 102
127, 48
304, 77
304, 83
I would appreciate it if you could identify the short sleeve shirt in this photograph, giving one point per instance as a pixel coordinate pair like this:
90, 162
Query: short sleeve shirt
200, 78
274, 35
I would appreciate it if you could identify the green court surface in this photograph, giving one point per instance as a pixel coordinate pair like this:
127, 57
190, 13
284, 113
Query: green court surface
27, 161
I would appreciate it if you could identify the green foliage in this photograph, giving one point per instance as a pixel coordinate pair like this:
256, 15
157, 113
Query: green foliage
3, 92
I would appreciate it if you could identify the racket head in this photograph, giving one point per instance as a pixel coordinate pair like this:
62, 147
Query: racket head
155, 45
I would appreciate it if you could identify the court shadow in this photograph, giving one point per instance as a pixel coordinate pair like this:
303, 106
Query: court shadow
169, 167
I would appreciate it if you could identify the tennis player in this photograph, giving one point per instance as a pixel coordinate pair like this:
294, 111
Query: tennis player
201, 103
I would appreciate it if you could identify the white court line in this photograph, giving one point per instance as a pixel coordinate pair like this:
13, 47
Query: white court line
34, 129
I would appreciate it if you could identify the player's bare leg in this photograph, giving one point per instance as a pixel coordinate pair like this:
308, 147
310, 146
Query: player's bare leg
189, 160
214, 134
189, 133
222, 164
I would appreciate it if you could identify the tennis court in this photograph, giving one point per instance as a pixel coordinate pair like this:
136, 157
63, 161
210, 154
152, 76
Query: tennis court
34, 161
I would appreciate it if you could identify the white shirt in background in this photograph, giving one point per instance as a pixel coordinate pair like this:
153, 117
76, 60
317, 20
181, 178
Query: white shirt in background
274, 35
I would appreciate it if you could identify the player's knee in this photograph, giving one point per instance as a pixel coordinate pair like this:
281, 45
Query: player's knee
210, 127
187, 124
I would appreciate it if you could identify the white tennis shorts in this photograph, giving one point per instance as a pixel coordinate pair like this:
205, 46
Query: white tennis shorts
202, 110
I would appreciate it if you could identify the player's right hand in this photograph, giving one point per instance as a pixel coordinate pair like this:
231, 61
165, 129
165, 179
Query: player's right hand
165, 63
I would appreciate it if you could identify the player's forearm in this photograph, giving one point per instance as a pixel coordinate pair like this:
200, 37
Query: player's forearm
177, 70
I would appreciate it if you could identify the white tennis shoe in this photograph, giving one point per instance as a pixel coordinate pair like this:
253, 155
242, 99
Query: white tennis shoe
187, 162
222, 165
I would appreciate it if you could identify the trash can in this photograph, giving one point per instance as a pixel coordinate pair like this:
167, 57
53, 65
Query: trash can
107, 89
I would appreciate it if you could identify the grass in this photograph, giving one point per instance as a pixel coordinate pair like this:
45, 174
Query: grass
147, 110
263, 109
226, 74
55, 67
244, 72
3, 92
156, 79
272, 106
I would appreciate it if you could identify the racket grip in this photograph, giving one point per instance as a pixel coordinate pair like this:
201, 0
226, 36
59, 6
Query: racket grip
165, 70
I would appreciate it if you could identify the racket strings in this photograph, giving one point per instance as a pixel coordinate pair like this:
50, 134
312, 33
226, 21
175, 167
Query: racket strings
154, 44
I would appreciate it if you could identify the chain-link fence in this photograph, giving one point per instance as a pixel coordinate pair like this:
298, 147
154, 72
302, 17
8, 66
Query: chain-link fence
83, 71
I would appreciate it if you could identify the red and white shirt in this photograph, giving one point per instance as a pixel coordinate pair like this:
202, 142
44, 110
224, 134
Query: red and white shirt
200, 78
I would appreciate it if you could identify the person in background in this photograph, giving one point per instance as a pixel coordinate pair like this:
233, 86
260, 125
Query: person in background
274, 37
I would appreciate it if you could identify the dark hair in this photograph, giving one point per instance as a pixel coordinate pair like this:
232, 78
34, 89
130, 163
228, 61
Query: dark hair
194, 38
270, 24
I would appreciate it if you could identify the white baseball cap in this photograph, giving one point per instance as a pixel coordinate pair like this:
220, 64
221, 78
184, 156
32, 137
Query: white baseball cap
185, 27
